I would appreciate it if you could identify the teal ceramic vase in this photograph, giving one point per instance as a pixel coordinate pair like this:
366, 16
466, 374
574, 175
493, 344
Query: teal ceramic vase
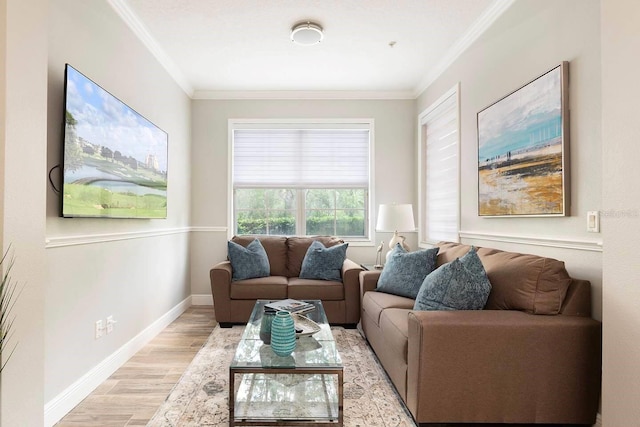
265, 326
283, 334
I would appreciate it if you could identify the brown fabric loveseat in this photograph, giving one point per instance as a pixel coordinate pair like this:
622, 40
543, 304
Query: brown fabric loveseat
234, 300
533, 355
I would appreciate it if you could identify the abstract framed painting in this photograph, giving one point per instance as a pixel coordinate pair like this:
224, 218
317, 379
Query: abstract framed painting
523, 150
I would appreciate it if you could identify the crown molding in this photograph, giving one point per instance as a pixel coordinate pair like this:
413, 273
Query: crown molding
140, 30
301, 94
488, 17
484, 21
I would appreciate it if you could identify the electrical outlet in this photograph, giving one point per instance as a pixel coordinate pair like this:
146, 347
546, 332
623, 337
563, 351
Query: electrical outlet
110, 324
99, 329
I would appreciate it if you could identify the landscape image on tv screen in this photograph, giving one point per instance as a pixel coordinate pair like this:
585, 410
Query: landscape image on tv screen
115, 160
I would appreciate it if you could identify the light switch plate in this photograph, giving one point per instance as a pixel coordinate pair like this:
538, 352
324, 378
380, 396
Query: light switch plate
593, 221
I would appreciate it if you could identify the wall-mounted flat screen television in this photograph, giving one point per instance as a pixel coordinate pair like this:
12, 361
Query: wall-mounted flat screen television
115, 161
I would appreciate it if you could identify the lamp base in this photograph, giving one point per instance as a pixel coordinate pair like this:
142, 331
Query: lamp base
398, 239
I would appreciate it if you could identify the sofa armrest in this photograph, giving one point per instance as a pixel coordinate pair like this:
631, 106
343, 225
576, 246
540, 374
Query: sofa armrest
350, 271
368, 281
220, 276
497, 361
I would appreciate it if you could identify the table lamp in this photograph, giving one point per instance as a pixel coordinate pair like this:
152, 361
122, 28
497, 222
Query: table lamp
396, 218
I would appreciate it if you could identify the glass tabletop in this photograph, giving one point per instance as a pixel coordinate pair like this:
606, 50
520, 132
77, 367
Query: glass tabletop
316, 351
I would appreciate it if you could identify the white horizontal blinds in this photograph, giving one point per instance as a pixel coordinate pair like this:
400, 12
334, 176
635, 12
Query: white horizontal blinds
301, 158
440, 135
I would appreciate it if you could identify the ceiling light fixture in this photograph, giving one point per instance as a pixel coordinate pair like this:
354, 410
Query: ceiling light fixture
307, 33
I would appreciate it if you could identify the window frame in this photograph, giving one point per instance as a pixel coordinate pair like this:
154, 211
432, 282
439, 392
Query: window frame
424, 240
357, 123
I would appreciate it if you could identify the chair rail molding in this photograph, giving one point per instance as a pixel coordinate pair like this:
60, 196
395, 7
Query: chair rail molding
86, 239
554, 242
208, 229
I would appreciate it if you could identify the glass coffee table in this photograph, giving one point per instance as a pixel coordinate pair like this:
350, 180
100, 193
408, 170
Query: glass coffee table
305, 388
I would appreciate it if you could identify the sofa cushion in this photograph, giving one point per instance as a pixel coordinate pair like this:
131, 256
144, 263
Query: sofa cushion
374, 303
274, 246
297, 249
524, 282
404, 271
248, 262
461, 284
325, 290
394, 328
450, 251
272, 287
394, 323
323, 263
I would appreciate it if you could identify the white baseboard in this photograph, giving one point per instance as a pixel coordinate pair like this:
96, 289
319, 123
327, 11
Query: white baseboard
202, 299
60, 405
598, 420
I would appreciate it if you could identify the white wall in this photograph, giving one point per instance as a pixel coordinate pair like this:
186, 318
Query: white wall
529, 39
141, 277
620, 154
394, 165
23, 141
135, 270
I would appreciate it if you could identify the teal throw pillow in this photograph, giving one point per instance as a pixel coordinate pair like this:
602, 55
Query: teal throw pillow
249, 262
461, 284
324, 263
404, 271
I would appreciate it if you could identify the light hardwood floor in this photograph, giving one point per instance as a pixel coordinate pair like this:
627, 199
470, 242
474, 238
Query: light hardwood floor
134, 392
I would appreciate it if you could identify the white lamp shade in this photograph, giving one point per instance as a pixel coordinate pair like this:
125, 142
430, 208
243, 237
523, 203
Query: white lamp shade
395, 218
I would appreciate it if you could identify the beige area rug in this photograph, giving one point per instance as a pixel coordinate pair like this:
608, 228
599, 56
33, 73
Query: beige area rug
200, 397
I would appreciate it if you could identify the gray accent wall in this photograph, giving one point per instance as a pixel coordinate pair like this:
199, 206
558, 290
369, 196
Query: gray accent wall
133, 270
621, 197
23, 145
530, 38
393, 168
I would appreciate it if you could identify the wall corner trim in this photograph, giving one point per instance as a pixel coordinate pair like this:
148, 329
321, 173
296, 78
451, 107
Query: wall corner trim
59, 406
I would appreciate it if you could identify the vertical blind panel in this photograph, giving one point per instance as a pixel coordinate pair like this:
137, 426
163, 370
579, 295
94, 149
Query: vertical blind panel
441, 175
296, 158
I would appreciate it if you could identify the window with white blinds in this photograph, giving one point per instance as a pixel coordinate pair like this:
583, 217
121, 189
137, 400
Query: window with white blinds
301, 178
301, 158
439, 170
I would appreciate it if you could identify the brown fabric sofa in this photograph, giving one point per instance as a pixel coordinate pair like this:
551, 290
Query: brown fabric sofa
234, 300
508, 363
